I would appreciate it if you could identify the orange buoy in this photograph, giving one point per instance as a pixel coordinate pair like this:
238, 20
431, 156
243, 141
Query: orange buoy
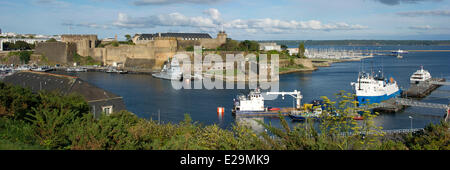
220, 112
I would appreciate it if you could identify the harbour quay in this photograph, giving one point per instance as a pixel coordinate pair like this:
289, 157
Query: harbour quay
415, 92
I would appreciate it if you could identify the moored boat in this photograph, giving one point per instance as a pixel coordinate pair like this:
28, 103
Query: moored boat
420, 76
42, 69
397, 52
170, 71
372, 88
253, 103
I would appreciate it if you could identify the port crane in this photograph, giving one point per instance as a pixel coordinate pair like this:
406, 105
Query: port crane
295, 94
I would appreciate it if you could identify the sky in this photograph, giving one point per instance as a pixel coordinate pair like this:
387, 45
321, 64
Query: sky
242, 20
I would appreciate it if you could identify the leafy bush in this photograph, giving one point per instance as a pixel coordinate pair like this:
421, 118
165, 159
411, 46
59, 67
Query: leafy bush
17, 131
16, 101
434, 137
23, 55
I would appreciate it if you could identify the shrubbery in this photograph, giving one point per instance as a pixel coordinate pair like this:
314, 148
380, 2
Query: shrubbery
24, 56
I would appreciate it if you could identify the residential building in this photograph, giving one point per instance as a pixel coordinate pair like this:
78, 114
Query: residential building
269, 46
292, 51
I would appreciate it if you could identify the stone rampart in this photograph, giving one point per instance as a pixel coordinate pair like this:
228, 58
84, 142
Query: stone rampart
58, 52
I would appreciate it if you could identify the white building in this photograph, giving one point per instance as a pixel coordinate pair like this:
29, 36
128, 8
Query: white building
8, 34
292, 51
108, 39
28, 40
269, 46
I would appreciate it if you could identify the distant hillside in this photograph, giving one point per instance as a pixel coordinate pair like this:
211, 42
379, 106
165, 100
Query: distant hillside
362, 42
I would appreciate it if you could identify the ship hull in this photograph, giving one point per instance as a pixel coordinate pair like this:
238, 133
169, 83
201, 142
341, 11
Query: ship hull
377, 99
257, 113
166, 76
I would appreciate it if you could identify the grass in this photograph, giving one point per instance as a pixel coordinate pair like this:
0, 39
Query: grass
292, 67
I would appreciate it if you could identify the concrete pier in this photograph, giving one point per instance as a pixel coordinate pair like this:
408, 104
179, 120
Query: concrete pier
422, 90
415, 91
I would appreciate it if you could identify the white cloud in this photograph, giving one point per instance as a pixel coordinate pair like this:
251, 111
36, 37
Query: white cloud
213, 21
276, 26
213, 14
172, 19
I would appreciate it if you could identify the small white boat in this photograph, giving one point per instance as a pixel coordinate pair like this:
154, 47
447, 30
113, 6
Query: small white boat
76, 69
114, 70
400, 52
80, 70
253, 103
42, 69
23, 68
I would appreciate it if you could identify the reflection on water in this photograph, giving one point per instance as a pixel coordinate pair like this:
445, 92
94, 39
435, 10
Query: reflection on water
252, 122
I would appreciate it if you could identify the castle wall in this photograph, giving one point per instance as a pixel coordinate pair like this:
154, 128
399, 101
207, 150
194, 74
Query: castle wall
98, 54
58, 52
84, 42
153, 54
183, 44
144, 53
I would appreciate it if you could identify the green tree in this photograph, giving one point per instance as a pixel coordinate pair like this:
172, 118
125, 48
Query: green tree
248, 45
8, 46
115, 44
301, 50
22, 45
24, 56
128, 38
230, 45
51, 40
190, 48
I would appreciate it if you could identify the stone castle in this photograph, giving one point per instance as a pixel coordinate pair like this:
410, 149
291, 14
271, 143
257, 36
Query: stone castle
148, 51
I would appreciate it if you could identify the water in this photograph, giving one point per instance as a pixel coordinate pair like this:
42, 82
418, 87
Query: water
145, 95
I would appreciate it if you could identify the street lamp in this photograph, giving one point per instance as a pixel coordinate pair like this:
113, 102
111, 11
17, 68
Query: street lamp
411, 120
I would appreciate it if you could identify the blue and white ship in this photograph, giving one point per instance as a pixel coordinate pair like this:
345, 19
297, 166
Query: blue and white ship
372, 88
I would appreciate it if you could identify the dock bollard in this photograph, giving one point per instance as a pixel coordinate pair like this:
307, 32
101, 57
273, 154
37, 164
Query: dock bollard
220, 112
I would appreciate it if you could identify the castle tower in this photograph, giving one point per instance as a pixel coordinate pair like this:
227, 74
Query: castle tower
222, 37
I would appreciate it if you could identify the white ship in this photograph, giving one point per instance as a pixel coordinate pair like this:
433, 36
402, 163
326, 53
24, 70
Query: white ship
251, 103
23, 68
400, 52
420, 76
372, 88
114, 70
170, 71
81, 69
42, 69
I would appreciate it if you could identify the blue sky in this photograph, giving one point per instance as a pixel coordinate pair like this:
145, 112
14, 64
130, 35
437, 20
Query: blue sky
250, 19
